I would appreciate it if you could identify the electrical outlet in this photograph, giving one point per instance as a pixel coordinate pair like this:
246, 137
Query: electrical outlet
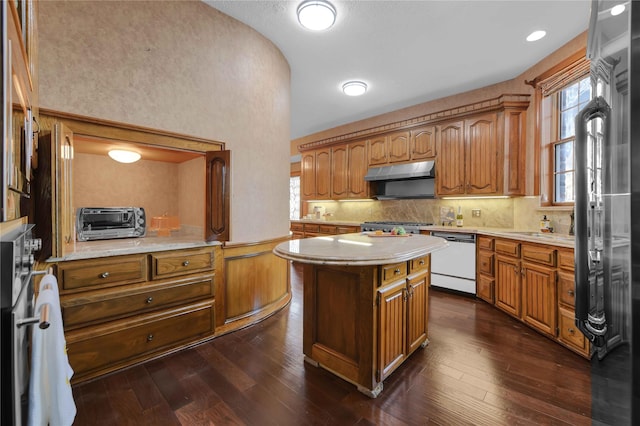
475, 212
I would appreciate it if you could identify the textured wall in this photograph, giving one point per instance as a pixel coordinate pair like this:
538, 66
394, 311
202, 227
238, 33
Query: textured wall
180, 66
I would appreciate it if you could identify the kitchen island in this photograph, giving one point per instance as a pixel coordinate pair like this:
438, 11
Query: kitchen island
365, 302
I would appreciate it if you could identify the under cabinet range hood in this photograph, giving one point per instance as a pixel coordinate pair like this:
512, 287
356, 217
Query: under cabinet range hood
403, 181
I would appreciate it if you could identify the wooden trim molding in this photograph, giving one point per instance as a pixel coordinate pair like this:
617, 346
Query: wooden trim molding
493, 104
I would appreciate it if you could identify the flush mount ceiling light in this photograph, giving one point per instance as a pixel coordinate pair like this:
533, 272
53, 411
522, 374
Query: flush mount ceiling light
536, 35
316, 15
124, 156
617, 9
354, 88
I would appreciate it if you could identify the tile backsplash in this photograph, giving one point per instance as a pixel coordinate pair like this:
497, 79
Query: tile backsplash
519, 213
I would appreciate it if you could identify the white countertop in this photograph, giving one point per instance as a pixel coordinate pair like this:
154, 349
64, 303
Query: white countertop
358, 249
122, 246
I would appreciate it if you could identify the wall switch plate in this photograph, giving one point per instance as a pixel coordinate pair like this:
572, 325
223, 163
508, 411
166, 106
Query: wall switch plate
475, 212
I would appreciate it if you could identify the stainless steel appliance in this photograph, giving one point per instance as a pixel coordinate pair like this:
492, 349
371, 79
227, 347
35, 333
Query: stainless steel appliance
454, 267
607, 184
103, 223
16, 294
403, 181
387, 226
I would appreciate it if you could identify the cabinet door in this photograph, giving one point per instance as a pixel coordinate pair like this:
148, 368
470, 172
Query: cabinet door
398, 147
417, 311
378, 151
515, 146
339, 172
323, 174
357, 155
485, 288
217, 198
308, 175
539, 297
392, 315
482, 155
508, 291
423, 143
450, 160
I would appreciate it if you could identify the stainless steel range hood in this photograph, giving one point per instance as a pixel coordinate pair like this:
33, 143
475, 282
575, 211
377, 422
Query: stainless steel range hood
423, 169
403, 181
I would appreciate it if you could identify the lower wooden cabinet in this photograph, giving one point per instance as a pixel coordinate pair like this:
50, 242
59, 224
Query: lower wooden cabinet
310, 230
121, 310
539, 297
508, 285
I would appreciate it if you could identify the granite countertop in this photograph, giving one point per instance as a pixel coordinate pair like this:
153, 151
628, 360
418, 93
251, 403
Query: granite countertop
118, 247
358, 249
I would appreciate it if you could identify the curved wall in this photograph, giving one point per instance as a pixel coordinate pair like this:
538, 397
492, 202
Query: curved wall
184, 67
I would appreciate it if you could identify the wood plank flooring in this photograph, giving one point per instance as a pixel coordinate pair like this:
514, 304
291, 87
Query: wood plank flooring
480, 368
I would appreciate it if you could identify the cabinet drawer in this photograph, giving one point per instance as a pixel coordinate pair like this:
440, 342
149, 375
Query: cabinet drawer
105, 272
508, 247
566, 288
295, 226
347, 229
310, 227
419, 263
93, 350
327, 229
101, 306
393, 272
181, 262
569, 333
565, 259
485, 289
539, 254
485, 243
485, 262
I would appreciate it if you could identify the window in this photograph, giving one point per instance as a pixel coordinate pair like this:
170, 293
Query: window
294, 198
561, 92
569, 100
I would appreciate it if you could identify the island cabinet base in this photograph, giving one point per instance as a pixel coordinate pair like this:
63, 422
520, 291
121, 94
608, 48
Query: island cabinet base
362, 322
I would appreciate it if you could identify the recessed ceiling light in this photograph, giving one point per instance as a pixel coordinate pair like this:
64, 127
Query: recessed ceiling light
354, 88
617, 9
316, 15
124, 156
536, 35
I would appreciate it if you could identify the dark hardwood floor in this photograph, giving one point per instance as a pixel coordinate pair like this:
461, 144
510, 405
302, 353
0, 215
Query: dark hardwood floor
480, 368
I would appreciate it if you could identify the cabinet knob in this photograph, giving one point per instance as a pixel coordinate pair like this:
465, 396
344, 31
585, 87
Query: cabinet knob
571, 330
149, 300
149, 337
104, 275
397, 271
570, 292
421, 262
185, 263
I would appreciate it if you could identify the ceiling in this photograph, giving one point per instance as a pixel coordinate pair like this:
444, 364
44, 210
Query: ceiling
408, 52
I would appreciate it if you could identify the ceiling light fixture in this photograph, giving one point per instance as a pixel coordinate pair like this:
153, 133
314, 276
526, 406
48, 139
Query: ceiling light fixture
617, 9
316, 15
536, 35
124, 156
354, 88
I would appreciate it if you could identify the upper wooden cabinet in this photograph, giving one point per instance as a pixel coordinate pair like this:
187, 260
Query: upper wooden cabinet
450, 171
308, 175
378, 154
339, 172
423, 143
398, 147
323, 174
357, 169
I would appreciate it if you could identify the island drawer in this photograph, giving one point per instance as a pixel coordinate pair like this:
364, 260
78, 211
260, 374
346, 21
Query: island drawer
419, 264
104, 272
540, 254
508, 247
97, 350
101, 306
393, 272
172, 263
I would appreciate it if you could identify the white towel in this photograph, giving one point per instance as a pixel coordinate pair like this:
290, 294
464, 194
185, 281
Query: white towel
50, 396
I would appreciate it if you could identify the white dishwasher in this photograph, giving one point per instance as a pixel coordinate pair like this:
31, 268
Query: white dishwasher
454, 267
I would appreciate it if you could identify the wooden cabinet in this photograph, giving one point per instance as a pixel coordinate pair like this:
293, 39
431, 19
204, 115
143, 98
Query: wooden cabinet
357, 169
485, 278
308, 175
122, 310
398, 147
362, 322
508, 285
323, 174
539, 297
377, 148
339, 172
423, 143
450, 169
567, 333
307, 230
482, 152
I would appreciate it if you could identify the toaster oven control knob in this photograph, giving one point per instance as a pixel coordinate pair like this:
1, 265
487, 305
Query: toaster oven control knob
140, 220
28, 260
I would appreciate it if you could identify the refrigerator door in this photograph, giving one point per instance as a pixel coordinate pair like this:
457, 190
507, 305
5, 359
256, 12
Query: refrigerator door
606, 163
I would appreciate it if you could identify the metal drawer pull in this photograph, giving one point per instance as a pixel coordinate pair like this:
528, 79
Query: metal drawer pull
104, 275
149, 300
150, 338
397, 271
421, 262
570, 292
185, 263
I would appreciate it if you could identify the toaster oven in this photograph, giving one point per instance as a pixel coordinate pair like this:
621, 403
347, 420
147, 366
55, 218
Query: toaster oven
103, 223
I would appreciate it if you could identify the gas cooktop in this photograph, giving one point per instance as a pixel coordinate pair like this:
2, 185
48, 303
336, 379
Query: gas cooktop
387, 226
